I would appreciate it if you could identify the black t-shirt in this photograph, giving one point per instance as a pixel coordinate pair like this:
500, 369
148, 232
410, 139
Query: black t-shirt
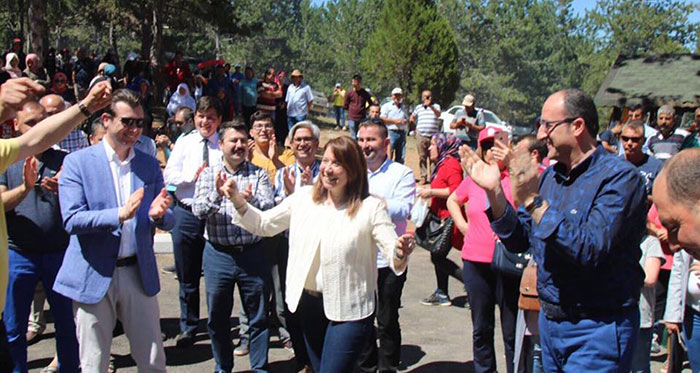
35, 224
84, 72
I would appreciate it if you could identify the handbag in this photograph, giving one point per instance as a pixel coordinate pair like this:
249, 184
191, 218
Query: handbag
508, 263
435, 235
529, 299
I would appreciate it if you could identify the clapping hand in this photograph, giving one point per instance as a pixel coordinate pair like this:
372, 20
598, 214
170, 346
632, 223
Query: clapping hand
129, 209
404, 246
247, 194
289, 181
502, 153
251, 149
485, 175
524, 176
30, 172
272, 147
51, 183
160, 205
199, 170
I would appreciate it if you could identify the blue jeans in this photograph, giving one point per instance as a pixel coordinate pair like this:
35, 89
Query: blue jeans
223, 269
25, 271
339, 116
188, 245
291, 121
641, 360
398, 145
352, 127
603, 344
691, 333
486, 289
333, 346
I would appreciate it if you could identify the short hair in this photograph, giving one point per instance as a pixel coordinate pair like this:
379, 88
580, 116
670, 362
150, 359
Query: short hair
357, 77
535, 144
315, 131
635, 124
666, 109
636, 107
260, 116
209, 102
683, 177
578, 104
95, 125
383, 131
126, 96
186, 112
236, 124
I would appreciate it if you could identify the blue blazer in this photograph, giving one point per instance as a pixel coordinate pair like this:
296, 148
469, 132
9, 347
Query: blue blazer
90, 215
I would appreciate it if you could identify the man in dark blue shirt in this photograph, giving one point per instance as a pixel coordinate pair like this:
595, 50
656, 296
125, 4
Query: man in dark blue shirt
37, 242
583, 221
632, 139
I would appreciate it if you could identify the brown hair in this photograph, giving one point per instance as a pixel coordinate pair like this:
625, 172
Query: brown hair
123, 95
350, 157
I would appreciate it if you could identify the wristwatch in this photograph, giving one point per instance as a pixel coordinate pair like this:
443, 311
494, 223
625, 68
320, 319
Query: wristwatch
534, 204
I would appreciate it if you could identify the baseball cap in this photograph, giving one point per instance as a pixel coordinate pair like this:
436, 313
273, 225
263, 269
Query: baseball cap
468, 100
488, 133
396, 91
337, 85
110, 70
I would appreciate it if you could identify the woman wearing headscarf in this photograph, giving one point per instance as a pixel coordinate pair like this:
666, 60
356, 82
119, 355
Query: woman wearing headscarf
12, 65
59, 86
447, 174
181, 97
486, 287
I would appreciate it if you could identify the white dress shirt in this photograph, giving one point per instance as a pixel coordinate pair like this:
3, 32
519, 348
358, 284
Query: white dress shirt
347, 249
184, 162
394, 183
121, 179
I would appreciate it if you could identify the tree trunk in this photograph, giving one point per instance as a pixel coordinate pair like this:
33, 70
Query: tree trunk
156, 50
113, 45
39, 30
146, 36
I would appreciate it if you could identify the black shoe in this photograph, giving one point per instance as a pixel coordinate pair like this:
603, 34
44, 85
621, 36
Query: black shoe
184, 340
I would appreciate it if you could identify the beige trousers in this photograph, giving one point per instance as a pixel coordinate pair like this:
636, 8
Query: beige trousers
139, 313
422, 145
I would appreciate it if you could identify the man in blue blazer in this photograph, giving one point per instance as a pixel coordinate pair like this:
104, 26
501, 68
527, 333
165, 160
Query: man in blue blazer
111, 195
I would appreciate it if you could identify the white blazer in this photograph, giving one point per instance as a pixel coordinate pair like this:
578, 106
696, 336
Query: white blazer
348, 255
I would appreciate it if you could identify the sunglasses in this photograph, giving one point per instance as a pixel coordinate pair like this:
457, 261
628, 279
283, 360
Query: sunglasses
132, 122
633, 139
426, 96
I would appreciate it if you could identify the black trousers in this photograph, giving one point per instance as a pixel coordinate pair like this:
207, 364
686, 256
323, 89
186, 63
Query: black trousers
386, 358
487, 289
6, 363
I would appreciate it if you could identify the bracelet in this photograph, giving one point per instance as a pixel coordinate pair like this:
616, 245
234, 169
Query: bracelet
84, 109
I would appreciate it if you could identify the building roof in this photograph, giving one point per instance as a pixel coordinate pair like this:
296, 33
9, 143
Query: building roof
652, 81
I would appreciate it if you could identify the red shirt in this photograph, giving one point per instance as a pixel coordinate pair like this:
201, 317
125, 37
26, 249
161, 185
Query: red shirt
653, 216
449, 175
356, 103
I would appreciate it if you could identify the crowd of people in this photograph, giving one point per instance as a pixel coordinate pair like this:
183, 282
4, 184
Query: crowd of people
599, 221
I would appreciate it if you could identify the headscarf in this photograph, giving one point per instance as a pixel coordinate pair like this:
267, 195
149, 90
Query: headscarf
447, 144
177, 100
54, 86
14, 72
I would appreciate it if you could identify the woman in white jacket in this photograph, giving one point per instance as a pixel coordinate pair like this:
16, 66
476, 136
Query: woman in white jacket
335, 229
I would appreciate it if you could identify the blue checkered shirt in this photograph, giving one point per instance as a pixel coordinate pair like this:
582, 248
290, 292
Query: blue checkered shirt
218, 211
75, 141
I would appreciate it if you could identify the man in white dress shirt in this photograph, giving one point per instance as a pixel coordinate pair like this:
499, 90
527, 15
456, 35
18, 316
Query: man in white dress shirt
395, 185
190, 156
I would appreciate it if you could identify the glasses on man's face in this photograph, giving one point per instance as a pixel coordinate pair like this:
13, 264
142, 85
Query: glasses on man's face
263, 127
426, 97
549, 126
132, 122
634, 139
300, 140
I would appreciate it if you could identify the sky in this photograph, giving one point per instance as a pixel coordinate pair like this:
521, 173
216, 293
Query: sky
581, 6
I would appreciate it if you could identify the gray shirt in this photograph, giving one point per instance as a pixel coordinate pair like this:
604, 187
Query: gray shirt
651, 248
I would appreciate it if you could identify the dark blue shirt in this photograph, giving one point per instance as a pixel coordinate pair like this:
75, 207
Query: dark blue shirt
649, 169
35, 224
609, 137
587, 244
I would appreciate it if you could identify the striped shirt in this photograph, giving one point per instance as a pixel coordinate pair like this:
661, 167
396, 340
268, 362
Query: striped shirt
75, 141
218, 211
427, 123
665, 148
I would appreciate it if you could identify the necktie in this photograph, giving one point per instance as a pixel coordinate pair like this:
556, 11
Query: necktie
205, 151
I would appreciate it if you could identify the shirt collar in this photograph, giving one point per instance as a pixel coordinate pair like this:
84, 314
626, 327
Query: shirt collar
214, 138
113, 157
381, 168
314, 166
560, 171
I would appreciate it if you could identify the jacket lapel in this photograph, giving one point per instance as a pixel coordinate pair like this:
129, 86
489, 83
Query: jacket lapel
104, 172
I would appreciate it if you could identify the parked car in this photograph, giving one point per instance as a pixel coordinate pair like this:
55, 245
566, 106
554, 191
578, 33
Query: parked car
491, 119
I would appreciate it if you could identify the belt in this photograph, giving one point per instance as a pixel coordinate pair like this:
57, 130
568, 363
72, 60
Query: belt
235, 249
399, 131
126, 261
558, 312
313, 293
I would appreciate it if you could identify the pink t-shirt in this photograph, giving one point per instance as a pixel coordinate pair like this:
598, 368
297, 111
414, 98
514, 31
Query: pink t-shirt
480, 240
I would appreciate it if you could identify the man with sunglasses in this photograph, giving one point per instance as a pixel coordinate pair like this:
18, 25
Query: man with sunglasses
632, 139
583, 221
111, 196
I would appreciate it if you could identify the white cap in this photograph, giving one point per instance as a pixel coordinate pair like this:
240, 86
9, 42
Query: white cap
337, 85
396, 91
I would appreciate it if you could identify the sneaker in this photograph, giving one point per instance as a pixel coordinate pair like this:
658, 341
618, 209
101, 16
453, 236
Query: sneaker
437, 299
655, 348
242, 349
33, 334
288, 345
184, 340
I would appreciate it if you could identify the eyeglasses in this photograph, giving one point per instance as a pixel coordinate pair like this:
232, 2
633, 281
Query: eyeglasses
300, 140
549, 126
426, 96
132, 122
261, 128
633, 139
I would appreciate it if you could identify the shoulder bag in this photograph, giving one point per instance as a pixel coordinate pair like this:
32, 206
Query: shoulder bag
435, 235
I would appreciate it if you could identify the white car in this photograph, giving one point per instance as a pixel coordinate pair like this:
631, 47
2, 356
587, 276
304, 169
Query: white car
491, 119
